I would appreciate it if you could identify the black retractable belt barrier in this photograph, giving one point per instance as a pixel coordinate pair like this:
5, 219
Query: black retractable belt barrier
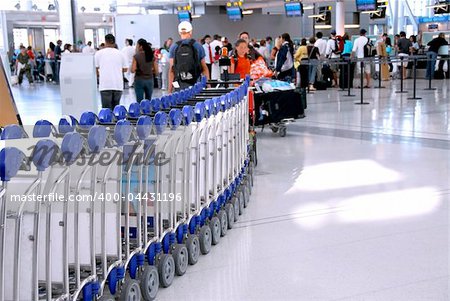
415, 80
379, 76
341, 69
362, 86
429, 85
431, 76
401, 77
349, 81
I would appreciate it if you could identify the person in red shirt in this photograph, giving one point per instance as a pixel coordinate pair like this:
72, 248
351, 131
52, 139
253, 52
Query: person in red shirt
241, 63
30, 53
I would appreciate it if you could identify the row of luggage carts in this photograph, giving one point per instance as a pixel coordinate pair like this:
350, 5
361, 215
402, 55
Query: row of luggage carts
115, 205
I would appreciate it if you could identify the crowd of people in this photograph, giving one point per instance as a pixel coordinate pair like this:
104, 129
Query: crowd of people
312, 63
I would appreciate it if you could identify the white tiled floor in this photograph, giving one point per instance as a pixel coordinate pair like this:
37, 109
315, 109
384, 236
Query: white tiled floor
351, 205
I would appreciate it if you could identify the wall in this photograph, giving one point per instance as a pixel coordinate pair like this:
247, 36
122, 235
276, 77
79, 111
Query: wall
136, 27
259, 26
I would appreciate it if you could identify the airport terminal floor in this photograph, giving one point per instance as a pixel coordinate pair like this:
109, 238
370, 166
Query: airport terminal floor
351, 205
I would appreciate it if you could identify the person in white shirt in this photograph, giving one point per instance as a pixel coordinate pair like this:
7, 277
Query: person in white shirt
88, 49
358, 49
332, 53
110, 64
216, 45
321, 44
67, 49
263, 50
164, 67
129, 51
209, 52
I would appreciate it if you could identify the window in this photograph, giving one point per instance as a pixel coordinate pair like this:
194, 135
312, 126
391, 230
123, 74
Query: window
420, 9
50, 35
20, 36
89, 36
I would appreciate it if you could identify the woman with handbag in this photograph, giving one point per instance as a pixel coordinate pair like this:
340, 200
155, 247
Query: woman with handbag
313, 58
284, 69
145, 67
383, 55
301, 58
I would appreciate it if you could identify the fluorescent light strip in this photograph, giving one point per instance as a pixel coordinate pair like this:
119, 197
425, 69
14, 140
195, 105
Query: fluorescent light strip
352, 26
370, 11
315, 16
438, 5
322, 26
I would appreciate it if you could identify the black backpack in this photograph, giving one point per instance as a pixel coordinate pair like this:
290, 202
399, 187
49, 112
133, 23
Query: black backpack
369, 49
186, 63
327, 75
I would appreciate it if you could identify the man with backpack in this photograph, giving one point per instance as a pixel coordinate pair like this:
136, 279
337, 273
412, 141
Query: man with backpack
362, 49
187, 60
333, 52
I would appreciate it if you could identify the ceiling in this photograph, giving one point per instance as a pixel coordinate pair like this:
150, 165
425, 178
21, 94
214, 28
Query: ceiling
104, 6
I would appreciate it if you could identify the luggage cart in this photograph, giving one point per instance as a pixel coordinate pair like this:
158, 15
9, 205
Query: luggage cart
12, 160
121, 249
172, 230
30, 221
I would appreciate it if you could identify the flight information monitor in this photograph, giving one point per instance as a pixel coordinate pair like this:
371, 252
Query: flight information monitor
365, 5
234, 13
293, 9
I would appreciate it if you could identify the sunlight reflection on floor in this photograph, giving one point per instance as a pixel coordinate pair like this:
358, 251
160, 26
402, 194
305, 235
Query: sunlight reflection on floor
343, 174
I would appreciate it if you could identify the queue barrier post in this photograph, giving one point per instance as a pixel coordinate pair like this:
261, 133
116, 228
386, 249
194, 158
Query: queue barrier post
431, 76
401, 77
349, 79
415, 80
379, 76
361, 102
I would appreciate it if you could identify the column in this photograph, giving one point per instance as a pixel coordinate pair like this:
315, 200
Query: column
26, 5
66, 21
340, 17
4, 33
400, 17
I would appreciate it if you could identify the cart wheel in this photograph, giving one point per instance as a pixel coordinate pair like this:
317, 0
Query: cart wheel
181, 258
166, 269
215, 226
274, 129
235, 203
193, 246
223, 222
282, 132
229, 210
149, 283
205, 239
130, 291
